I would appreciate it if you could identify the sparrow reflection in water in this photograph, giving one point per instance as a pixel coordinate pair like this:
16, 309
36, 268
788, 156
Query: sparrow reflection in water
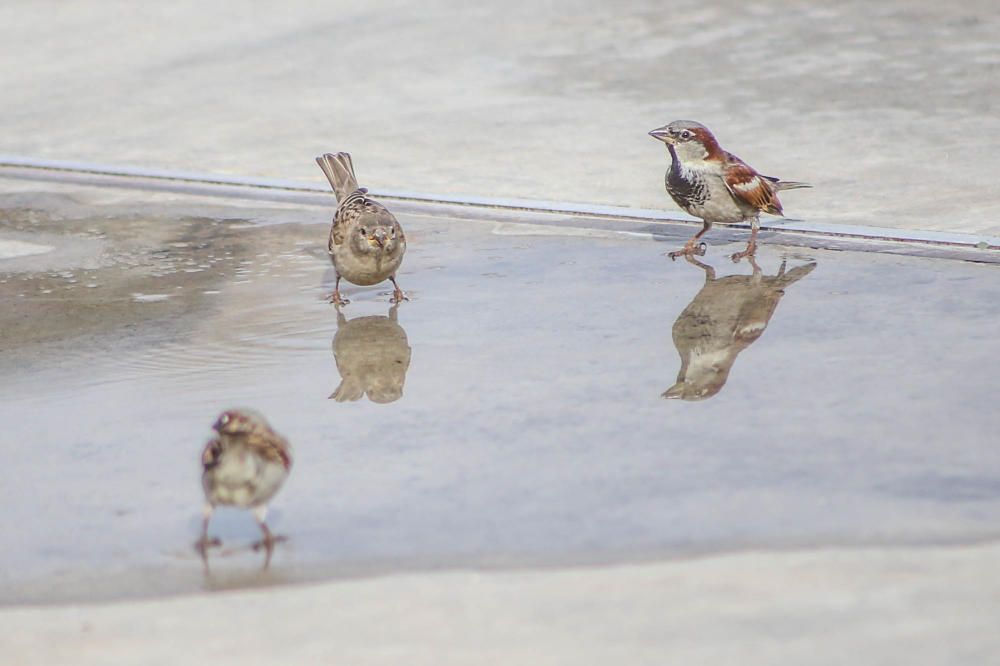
372, 355
725, 317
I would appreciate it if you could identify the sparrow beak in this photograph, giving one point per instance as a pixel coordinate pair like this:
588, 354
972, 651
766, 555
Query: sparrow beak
378, 237
661, 134
220, 423
677, 390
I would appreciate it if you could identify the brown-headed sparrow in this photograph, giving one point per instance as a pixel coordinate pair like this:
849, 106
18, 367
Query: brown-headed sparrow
244, 465
366, 242
372, 356
723, 319
715, 185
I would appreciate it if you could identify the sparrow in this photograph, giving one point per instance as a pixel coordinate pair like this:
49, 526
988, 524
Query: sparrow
243, 465
715, 185
724, 318
366, 243
372, 356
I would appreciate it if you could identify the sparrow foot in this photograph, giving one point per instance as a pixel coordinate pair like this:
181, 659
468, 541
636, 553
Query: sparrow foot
397, 295
691, 248
749, 253
337, 299
268, 542
203, 544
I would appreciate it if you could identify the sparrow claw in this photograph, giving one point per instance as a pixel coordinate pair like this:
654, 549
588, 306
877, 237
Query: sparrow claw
202, 545
268, 542
690, 248
398, 297
337, 299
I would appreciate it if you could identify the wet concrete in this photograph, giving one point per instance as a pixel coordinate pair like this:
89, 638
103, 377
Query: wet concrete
511, 414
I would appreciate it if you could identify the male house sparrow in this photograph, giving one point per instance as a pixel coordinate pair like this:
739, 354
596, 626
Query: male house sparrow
244, 465
724, 318
715, 185
366, 242
372, 356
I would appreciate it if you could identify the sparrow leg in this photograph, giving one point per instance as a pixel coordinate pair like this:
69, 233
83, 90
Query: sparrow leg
204, 543
335, 297
693, 246
397, 295
709, 271
260, 513
751, 244
268, 550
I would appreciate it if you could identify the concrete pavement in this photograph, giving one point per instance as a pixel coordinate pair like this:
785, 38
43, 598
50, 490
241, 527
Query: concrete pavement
890, 109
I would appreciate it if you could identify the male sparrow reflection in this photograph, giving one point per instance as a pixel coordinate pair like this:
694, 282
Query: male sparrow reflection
723, 319
244, 465
715, 185
366, 242
372, 355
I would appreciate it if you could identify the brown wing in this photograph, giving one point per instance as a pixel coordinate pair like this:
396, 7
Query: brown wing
270, 446
210, 454
746, 184
342, 221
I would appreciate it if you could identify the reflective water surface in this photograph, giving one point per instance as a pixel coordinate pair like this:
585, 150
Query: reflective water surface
511, 414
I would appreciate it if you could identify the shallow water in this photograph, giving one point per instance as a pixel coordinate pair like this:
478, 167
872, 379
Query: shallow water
512, 413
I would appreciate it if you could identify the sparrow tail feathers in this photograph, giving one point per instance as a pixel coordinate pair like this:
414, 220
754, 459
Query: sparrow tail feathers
789, 185
339, 170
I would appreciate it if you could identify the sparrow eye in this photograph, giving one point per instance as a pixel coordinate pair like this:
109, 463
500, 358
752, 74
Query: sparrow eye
363, 231
685, 134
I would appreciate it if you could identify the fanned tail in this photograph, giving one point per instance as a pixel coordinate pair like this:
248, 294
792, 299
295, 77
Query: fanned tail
339, 170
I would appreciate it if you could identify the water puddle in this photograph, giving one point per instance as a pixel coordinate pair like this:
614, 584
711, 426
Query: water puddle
544, 398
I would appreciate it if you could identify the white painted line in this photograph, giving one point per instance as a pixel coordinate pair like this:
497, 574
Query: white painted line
977, 241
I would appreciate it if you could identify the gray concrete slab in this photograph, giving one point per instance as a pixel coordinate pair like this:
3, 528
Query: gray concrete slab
889, 108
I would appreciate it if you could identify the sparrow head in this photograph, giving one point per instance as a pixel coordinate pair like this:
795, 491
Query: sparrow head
385, 389
688, 140
703, 374
698, 387
238, 422
376, 238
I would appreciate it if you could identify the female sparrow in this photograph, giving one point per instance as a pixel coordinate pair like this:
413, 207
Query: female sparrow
715, 185
244, 465
366, 242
